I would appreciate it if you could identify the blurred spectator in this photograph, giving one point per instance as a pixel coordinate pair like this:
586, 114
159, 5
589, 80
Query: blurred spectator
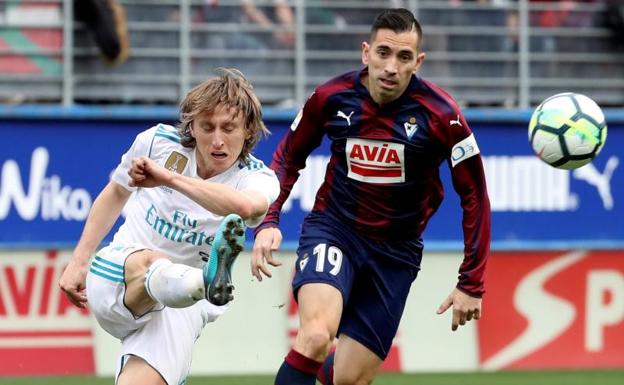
564, 14
254, 30
277, 20
559, 14
106, 21
614, 20
282, 23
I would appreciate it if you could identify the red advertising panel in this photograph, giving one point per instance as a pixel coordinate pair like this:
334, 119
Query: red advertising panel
41, 332
553, 310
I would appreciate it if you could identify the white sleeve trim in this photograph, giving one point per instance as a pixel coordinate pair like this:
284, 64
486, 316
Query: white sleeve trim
463, 150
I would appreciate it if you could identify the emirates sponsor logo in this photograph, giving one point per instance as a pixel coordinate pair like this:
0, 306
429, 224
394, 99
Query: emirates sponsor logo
375, 161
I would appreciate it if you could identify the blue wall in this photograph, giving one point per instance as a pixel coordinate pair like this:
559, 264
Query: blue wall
54, 161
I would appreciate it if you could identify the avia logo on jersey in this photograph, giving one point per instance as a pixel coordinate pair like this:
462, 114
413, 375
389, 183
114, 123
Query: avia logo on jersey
553, 310
375, 161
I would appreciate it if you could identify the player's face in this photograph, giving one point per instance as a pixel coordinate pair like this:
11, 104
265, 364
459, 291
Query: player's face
391, 58
220, 137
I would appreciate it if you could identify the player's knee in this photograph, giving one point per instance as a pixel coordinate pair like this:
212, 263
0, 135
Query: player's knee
138, 262
315, 341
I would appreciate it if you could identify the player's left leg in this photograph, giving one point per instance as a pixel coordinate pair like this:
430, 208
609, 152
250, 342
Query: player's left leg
371, 318
354, 363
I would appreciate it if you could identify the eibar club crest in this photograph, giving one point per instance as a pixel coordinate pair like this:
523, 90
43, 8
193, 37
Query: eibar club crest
410, 127
176, 162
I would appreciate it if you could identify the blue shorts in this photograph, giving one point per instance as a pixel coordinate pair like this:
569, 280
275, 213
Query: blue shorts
374, 277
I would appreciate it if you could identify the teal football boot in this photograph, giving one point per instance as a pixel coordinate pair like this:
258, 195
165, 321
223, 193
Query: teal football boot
226, 246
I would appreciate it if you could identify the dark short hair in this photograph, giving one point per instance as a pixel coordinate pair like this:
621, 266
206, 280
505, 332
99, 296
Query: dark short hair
397, 20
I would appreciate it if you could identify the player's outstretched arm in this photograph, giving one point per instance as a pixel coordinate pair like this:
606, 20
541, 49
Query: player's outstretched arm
465, 308
217, 198
104, 212
267, 241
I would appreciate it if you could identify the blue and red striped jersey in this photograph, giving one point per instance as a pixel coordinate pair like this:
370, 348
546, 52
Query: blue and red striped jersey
382, 179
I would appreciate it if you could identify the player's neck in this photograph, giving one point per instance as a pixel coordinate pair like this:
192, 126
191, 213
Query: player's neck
204, 169
377, 98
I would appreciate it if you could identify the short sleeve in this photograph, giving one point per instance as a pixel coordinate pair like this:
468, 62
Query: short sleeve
140, 147
264, 181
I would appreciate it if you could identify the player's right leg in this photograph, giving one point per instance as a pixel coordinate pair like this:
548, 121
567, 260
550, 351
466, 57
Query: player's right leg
320, 308
322, 283
152, 279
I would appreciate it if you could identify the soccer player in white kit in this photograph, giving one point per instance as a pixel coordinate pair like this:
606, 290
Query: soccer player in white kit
167, 271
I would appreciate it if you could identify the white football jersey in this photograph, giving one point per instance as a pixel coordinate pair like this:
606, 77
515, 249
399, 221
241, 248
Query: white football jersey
164, 219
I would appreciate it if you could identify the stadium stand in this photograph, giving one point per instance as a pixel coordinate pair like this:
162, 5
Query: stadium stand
510, 53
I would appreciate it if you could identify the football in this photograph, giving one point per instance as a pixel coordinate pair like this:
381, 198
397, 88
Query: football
567, 130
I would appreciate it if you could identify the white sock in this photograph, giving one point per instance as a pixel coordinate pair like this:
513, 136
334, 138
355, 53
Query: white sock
174, 284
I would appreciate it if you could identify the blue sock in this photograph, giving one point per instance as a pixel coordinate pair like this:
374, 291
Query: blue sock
326, 374
297, 369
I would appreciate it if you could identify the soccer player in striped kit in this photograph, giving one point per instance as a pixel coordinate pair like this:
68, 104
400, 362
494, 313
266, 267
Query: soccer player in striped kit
361, 247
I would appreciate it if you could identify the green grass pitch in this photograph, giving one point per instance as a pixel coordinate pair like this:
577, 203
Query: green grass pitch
593, 377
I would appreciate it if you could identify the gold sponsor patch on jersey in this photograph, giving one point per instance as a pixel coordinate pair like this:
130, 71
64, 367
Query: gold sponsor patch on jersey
176, 162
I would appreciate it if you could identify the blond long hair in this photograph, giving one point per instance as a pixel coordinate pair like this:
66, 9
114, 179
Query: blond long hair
231, 90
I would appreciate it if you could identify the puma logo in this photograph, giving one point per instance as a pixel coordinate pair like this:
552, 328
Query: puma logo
347, 118
457, 122
602, 181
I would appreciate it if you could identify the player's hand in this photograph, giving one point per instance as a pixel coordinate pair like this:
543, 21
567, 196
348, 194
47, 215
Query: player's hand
267, 241
144, 172
465, 308
73, 280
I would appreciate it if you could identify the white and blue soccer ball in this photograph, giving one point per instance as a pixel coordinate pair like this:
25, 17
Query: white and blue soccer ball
567, 130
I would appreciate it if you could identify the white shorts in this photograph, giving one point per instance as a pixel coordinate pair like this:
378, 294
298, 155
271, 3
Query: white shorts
163, 337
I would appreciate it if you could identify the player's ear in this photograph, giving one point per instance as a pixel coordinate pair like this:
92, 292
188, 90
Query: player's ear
420, 58
365, 52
